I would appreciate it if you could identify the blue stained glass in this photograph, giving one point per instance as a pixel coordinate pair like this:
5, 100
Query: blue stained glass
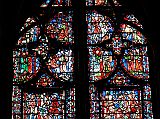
57, 70
53, 21
32, 116
104, 93
136, 93
117, 105
111, 92
112, 64
124, 62
99, 26
130, 37
48, 1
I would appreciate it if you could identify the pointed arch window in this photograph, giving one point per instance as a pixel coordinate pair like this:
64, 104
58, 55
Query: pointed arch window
46, 64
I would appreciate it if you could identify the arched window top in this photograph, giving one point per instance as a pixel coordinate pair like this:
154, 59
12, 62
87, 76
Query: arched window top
103, 41
106, 44
50, 43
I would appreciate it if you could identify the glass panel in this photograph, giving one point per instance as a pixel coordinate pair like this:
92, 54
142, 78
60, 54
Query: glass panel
131, 34
148, 110
60, 27
56, 48
117, 44
16, 103
61, 65
135, 61
31, 35
99, 27
147, 92
70, 104
94, 102
101, 63
49, 105
115, 103
148, 113
25, 66
120, 79
46, 81
122, 116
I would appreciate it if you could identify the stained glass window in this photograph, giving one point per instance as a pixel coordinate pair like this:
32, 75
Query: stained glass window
44, 61
118, 65
43, 66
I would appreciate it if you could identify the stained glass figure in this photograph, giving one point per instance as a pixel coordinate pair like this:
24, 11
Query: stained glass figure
99, 27
61, 64
49, 105
137, 65
101, 63
25, 66
60, 27
121, 104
